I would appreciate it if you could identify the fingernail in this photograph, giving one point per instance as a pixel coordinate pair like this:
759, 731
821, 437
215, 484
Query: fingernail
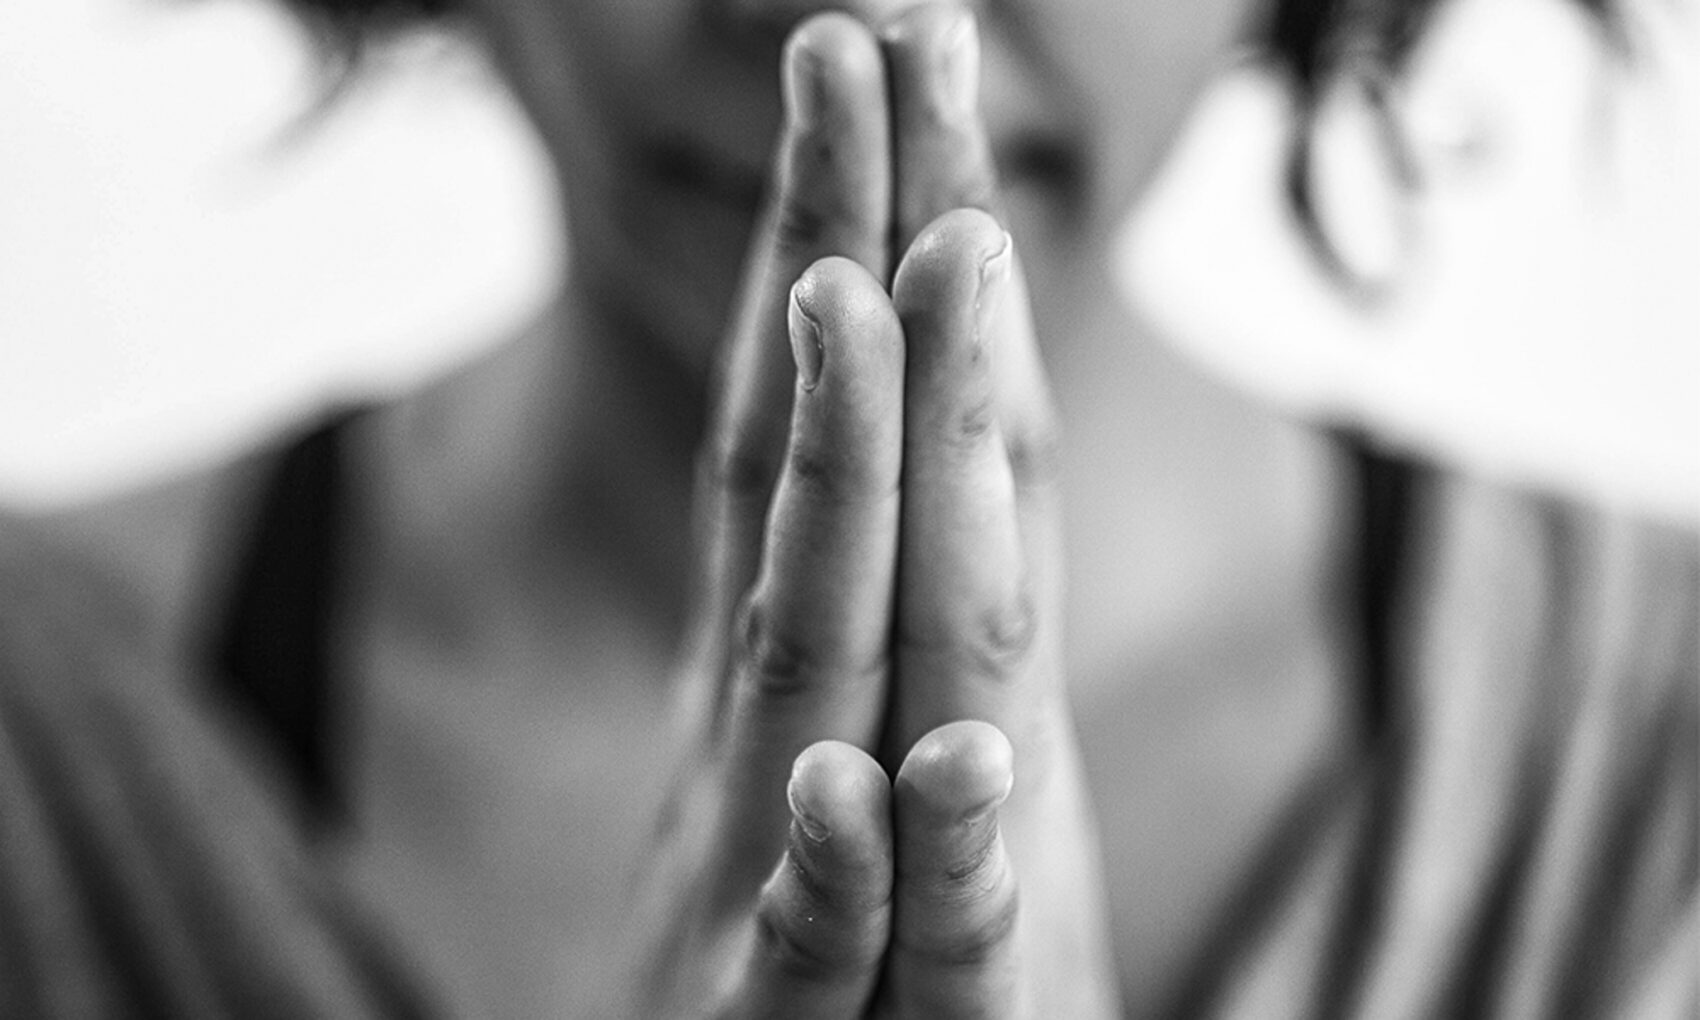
806, 348
961, 71
979, 812
994, 271
804, 87
812, 827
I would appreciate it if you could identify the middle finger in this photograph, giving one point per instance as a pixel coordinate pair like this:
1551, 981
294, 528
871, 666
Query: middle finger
833, 196
943, 160
968, 611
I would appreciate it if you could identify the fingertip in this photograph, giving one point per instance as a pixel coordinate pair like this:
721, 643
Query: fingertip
822, 921
934, 26
838, 37
832, 169
950, 256
956, 901
839, 290
934, 54
827, 52
843, 299
838, 791
960, 769
964, 232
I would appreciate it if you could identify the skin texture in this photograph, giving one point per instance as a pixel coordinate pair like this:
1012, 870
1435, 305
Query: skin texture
872, 800
661, 115
896, 897
877, 553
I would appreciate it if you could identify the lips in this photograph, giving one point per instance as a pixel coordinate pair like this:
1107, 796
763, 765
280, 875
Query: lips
678, 165
1038, 160
1024, 159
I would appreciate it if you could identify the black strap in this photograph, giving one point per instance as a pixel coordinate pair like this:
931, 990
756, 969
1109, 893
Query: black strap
274, 650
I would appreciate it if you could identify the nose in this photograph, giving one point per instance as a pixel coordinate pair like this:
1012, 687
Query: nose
774, 19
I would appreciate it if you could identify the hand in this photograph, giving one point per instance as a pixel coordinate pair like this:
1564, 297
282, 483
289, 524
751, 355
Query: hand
978, 623
792, 876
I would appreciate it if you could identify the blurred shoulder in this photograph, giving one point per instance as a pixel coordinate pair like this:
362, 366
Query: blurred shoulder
149, 561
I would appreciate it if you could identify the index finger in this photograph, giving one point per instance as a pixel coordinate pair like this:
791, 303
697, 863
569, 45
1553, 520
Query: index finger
832, 197
942, 155
977, 589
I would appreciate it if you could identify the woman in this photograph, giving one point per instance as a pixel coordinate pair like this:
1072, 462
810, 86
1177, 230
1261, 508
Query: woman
1215, 678
1435, 265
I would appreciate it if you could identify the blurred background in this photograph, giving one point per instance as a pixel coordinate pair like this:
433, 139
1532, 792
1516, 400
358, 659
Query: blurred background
198, 244
194, 249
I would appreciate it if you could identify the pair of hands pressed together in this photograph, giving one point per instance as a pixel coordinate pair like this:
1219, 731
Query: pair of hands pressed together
879, 593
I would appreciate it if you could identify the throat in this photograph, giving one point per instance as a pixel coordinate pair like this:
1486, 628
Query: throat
550, 476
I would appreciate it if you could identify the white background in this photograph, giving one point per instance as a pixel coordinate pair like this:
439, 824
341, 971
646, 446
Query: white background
181, 272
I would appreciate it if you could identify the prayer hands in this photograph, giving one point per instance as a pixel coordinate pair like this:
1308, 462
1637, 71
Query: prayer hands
879, 593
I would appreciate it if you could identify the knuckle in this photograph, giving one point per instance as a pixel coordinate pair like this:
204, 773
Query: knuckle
839, 890
790, 950
814, 467
970, 871
821, 204
740, 469
800, 225
995, 642
1004, 635
806, 948
779, 663
1008, 638
837, 474
775, 662
976, 422
1035, 455
975, 942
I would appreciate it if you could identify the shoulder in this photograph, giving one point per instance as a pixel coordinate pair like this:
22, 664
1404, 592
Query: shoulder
151, 852
159, 556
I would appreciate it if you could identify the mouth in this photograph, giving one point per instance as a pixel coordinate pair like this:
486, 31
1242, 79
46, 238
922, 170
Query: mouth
1024, 160
1039, 161
679, 166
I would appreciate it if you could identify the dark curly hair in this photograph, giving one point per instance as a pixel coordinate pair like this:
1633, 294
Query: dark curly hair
342, 29
359, 14
1314, 37
1316, 40
1309, 35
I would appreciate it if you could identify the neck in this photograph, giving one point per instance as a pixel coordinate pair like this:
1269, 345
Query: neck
554, 471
